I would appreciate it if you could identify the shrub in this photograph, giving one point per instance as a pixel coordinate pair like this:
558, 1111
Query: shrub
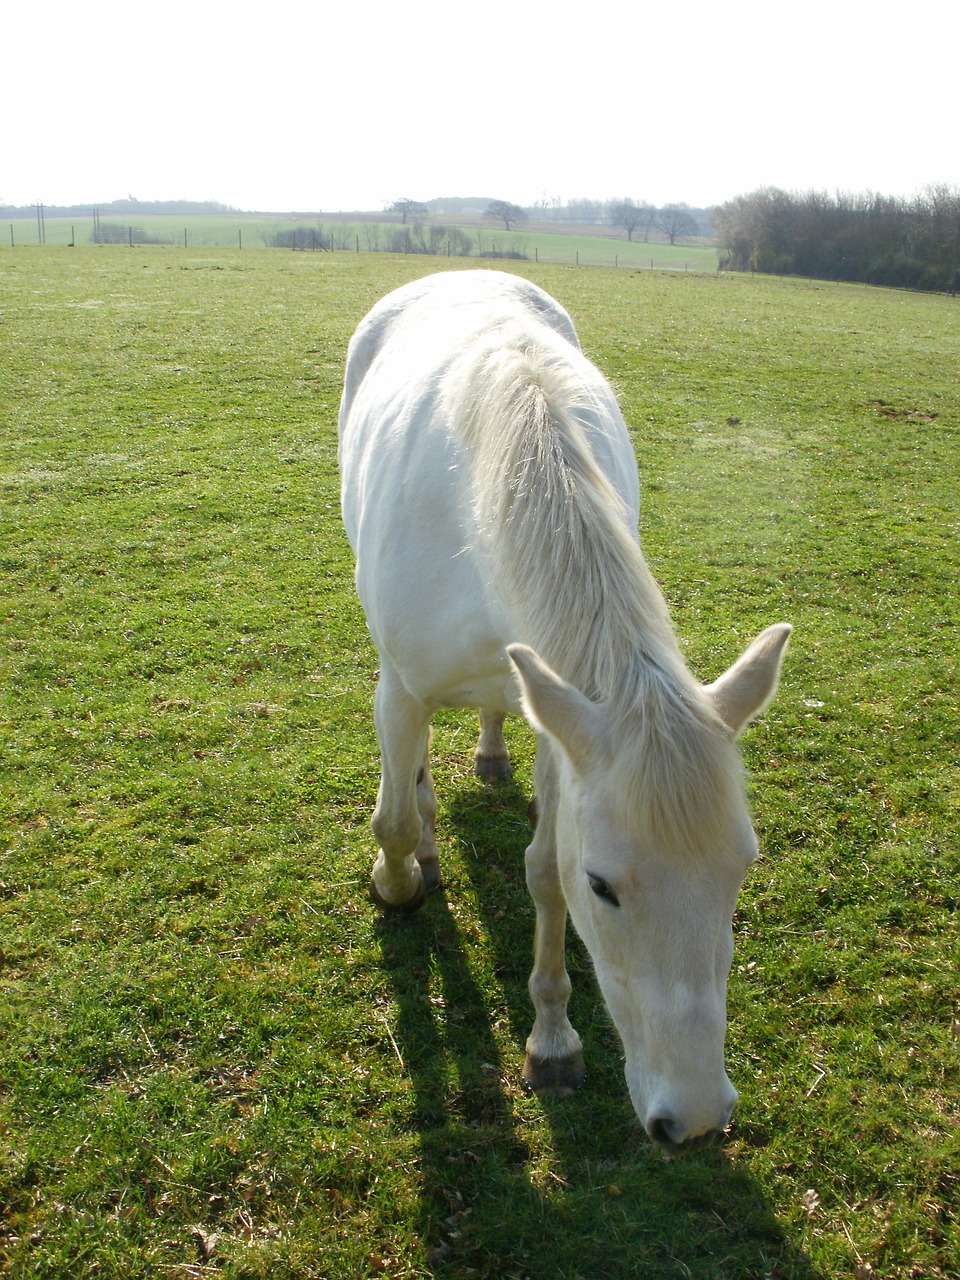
298, 238
111, 233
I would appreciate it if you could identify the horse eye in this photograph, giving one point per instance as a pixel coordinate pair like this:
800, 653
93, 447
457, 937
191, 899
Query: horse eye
603, 890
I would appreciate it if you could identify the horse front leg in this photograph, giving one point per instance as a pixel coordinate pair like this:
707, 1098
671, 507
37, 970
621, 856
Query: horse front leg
492, 760
426, 852
554, 1054
407, 864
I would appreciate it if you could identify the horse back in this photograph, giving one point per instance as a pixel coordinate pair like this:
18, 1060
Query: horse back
433, 601
442, 297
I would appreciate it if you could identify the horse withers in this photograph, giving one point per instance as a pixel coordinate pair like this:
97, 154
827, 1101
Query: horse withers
490, 493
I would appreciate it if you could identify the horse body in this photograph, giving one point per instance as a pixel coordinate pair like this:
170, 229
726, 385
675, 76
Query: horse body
431, 597
490, 494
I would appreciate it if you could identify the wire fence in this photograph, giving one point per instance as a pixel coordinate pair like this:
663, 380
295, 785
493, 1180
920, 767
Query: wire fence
430, 240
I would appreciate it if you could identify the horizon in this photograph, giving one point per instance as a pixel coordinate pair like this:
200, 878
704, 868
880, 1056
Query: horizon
29, 209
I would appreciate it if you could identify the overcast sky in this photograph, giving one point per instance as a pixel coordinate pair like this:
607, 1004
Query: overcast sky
320, 106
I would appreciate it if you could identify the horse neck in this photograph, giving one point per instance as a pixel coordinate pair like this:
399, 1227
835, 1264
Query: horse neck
557, 530
580, 592
594, 612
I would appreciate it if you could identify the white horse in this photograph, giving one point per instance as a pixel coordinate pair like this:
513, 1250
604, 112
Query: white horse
490, 493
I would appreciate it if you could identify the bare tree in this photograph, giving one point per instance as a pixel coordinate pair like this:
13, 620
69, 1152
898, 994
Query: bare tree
510, 215
676, 222
629, 215
405, 208
586, 211
434, 239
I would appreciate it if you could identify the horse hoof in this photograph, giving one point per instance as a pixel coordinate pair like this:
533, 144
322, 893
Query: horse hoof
555, 1077
413, 903
493, 768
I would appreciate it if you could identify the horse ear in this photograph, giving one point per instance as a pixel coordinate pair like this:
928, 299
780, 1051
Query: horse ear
553, 706
743, 692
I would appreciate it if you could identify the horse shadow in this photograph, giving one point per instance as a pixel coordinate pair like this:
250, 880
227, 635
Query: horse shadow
602, 1201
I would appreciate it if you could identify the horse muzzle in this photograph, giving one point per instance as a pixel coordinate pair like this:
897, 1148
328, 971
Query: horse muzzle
668, 1134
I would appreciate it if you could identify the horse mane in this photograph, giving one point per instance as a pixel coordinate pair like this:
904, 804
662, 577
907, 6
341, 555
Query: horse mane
559, 538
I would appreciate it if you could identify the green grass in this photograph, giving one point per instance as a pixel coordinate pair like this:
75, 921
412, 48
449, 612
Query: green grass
216, 1059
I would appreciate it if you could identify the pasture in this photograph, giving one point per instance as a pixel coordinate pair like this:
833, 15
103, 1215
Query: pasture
216, 1058
255, 231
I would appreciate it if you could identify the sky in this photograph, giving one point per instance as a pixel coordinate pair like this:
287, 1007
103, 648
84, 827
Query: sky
327, 107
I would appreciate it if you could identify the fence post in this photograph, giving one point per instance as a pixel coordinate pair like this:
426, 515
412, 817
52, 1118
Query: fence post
240, 236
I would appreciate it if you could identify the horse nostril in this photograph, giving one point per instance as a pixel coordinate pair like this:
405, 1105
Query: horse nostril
662, 1129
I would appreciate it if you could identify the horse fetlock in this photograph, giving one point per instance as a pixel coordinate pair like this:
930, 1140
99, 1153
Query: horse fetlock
397, 889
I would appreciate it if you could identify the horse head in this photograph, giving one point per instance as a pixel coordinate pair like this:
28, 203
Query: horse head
653, 838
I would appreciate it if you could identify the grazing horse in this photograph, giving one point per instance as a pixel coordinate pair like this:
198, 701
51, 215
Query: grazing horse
490, 493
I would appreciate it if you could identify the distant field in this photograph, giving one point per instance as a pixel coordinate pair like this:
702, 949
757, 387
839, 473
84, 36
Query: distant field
216, 1059
254, 232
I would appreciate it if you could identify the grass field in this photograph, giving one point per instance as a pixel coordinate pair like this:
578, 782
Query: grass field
216, 1060
254, 231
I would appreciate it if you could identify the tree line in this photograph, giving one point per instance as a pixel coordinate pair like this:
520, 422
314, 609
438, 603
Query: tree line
885, 240
637, 218
432, 239
113, 208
